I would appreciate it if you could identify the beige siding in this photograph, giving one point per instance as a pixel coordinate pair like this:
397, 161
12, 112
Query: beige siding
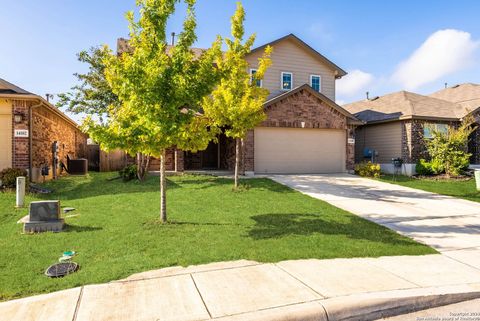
386, 139
289, 57
5, 134
299, 150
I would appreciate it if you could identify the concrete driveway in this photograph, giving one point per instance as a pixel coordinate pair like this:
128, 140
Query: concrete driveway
450, 225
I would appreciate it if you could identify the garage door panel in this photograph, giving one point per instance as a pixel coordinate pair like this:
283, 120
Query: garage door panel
295, 150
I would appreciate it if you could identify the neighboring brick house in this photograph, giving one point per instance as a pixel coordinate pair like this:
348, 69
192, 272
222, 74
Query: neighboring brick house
398, 123
28, 127
305, 130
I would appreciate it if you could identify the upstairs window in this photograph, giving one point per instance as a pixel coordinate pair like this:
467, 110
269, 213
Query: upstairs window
287, 81
429, 129
315, 82
258, 82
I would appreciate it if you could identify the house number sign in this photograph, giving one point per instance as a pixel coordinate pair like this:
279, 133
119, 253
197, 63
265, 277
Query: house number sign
21, 133
351, 140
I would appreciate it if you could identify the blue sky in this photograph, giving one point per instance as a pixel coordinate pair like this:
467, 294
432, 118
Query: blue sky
376, 41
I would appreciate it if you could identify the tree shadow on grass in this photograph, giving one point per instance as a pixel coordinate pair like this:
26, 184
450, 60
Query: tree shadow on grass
72, 188
79, 228
274, 226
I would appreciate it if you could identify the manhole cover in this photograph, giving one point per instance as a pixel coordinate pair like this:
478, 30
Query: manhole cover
61, 269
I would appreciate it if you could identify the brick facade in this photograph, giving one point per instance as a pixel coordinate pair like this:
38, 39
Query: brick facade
47, 127
20, 145
302, 110
413, 142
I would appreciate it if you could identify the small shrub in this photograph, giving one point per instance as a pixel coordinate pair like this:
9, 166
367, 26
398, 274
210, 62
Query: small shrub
423, 168
449, 150
128, 173
437, 167
368, 169
434, 167
8, 176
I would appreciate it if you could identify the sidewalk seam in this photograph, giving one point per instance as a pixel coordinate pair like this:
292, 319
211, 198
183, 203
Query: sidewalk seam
201, 297
183, 273
454, 259
398, 276
77, 306
293, 276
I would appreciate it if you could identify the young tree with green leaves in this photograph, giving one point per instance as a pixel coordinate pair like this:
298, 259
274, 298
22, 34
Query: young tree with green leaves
160, 88
237, 103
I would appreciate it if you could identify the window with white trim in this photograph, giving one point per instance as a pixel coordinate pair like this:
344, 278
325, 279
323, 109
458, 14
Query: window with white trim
287, 81
252, 78
316, 82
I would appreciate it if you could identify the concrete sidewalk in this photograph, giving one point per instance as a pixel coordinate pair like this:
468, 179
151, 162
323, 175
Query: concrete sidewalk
342, 289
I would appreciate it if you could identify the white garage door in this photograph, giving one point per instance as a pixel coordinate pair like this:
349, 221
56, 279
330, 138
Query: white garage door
299, 150
5, 141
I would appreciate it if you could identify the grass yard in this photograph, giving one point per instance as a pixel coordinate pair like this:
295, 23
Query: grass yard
116, 232
456, 188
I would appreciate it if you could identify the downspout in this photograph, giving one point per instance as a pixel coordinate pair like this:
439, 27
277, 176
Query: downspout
30, 138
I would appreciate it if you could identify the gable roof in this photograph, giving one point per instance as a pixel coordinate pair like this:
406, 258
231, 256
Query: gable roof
11, 91
405, 105
272, 100
467, 95
9, 88
339, 72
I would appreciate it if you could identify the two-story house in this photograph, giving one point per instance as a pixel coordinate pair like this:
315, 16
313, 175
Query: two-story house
305, 130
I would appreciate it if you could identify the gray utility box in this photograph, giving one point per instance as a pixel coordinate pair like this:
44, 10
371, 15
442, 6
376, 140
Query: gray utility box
44, 216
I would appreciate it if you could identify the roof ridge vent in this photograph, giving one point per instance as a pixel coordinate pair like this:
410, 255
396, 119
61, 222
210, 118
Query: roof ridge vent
456, 86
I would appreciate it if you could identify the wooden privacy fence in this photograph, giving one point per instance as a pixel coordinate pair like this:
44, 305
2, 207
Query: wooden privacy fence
102, 161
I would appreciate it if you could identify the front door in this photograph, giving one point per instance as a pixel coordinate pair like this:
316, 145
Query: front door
210, 156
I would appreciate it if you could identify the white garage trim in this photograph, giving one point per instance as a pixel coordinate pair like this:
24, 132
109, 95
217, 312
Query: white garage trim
299, 150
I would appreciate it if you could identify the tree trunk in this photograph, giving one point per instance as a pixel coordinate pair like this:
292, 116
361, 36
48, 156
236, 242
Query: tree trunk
237, 160
142, 166
163, 188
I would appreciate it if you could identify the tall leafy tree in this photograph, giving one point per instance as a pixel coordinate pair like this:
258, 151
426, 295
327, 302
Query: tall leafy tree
160, 87
93, 96
237, 103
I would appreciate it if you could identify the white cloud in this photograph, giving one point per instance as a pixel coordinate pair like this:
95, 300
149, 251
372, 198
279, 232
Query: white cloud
353, 83
443, 53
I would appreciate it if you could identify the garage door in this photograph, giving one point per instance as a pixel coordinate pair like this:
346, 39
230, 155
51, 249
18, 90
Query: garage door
299, 150
5, 141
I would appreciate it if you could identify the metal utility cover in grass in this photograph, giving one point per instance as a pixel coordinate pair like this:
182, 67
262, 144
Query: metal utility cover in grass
61, 269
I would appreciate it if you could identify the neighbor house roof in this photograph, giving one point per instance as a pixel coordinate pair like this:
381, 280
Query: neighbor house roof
405, 105
11, 91
9, 88
351, 118
467, 95
339, 72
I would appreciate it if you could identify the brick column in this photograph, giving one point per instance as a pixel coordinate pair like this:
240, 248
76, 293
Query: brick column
248, 156
20, 145
350, 149
179, 160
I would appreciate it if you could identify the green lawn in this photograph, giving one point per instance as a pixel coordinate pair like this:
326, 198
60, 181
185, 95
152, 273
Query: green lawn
456, 188
116, 232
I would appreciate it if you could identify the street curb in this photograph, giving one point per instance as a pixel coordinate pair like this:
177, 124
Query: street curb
366, 306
